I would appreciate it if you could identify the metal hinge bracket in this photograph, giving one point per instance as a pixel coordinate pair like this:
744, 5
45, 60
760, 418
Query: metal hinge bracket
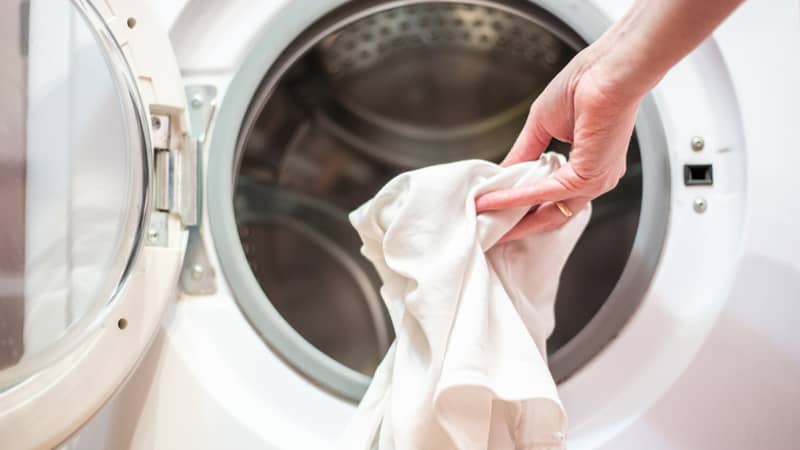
175, 171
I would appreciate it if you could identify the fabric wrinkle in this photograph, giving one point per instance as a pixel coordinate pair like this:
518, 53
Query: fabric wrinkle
468, 368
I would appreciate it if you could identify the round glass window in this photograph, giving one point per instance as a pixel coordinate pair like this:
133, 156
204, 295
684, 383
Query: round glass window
72, 184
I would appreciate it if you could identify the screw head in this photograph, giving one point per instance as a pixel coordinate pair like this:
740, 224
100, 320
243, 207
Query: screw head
197, 271
700, 205
197, 101
152, 235
698, 143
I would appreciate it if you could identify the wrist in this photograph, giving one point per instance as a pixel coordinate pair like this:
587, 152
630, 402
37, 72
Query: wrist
622, 64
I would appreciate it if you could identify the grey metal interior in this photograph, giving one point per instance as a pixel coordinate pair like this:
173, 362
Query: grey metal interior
376, 94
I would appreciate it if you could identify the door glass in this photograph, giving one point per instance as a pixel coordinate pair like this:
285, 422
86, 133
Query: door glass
72, 179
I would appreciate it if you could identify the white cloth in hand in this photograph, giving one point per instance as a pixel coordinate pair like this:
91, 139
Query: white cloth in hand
468, 369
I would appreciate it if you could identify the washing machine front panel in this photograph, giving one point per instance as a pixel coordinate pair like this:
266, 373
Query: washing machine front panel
704, 220
672, 204
646, 240
607, 394
97, 191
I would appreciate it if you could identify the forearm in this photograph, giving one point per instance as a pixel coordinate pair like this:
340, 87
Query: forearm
653, 36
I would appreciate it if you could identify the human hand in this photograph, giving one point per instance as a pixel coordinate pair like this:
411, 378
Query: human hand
592, 104
584, 105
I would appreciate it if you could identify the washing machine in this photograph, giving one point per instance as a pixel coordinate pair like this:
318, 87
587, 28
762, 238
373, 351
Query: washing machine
178, 270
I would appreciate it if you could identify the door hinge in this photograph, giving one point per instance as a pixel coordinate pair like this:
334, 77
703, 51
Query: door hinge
175, 170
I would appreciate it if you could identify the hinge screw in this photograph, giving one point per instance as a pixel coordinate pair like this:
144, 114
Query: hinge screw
197, 271
152, 235
700, 205
197, 101
698, 143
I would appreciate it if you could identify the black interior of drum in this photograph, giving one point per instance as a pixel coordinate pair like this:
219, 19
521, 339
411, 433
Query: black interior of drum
596, 263
272, 250
292, 147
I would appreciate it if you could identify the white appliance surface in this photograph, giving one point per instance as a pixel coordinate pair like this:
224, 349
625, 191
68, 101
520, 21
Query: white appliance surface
210, 382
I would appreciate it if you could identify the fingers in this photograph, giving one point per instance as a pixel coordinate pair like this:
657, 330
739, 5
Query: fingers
531, 142
536, 194
546, 217
554, 188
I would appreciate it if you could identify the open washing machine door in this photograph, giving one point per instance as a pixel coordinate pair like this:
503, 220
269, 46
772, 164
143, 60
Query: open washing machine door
98, 187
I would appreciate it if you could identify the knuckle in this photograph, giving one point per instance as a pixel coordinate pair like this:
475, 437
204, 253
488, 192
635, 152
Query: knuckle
614, 177
623, 167
572, 184
610, 184
592, 183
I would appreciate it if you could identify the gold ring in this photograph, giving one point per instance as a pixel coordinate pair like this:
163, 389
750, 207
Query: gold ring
564, 209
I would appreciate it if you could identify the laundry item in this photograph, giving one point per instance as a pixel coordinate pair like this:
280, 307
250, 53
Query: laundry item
468, 368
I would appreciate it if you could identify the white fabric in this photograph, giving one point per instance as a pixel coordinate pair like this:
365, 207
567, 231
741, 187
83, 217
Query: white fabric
468, 369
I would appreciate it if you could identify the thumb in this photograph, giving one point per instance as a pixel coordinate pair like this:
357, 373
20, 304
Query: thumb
532, 140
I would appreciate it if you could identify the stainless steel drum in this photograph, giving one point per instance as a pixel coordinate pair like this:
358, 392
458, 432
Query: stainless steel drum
301, 248
377, 88
431, 83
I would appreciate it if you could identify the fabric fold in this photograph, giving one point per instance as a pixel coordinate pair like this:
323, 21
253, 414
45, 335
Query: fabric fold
468, 369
